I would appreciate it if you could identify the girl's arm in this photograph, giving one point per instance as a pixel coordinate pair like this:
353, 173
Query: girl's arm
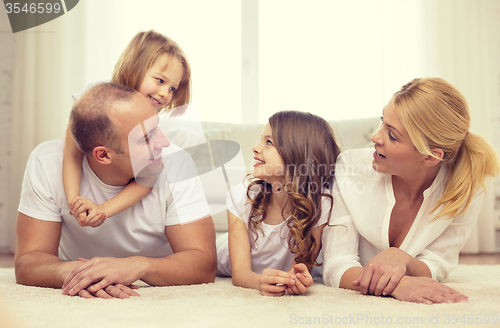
302, 271
125, 199
72, 168
79, 206
271, 282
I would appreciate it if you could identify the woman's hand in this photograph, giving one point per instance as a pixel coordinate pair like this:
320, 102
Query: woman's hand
303, 280
86, 212
382, 274
426, 290
275, 282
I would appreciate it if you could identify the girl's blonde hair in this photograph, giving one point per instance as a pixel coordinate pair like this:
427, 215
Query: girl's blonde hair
141, 53
436, 115
307, 145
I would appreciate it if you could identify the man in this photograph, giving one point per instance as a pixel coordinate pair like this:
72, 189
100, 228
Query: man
167, 238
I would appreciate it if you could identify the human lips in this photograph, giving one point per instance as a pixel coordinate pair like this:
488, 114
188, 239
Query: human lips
378, 155
257, 161
155, 101
155, 158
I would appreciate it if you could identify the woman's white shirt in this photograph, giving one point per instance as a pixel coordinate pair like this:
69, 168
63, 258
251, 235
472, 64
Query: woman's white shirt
359, 227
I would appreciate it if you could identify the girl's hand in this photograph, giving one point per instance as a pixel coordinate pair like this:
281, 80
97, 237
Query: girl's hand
304, 279
86, 212
382, 274
274, 282
426, 290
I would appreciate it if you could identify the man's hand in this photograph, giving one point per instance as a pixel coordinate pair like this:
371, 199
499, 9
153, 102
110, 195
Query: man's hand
383, 272
426, 290
99, 273
275, 282
303, 280
112, 291
86, 212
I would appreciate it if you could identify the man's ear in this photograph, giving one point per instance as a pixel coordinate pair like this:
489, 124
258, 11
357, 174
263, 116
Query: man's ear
431, 160
102, 155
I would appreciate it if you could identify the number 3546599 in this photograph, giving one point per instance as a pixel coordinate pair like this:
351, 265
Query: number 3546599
32, 8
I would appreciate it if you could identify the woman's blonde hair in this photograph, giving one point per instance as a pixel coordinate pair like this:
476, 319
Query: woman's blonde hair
141, 53
436, 115
307, 145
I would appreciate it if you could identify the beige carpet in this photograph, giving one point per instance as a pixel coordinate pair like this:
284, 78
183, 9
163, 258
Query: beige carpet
222, 305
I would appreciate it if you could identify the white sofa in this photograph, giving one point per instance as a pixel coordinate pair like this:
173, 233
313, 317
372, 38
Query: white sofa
191, 135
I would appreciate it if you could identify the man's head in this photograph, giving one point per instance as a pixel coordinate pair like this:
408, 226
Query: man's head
90, 123
117, 129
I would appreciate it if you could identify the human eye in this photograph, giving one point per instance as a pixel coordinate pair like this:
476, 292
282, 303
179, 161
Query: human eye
172, 89
391, 136
269, 142
160, 80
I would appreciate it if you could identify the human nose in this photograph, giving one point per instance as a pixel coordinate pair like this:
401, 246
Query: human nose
256, 149
377, 137
164, 92
161, 141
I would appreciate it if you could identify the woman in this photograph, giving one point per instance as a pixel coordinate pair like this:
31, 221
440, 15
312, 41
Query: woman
403, 213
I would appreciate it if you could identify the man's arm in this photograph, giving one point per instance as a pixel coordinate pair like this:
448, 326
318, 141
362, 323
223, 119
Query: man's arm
194, 261
36, 260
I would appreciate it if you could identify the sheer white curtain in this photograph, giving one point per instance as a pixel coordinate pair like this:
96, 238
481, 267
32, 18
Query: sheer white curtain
48, 65
459, 40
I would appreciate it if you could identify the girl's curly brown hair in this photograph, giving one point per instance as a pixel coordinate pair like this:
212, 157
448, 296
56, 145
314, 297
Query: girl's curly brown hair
307, 145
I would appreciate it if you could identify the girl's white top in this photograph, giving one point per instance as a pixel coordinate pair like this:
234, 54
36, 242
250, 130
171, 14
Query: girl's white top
359, 227
271, 249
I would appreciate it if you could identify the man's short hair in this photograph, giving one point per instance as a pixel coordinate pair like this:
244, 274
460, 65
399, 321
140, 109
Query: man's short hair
90, 124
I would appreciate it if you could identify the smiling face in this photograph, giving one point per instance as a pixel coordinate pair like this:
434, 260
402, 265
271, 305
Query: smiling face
395, 153
161, 80
142, 140
268, 165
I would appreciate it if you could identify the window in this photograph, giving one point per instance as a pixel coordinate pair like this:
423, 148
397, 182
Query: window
335, 58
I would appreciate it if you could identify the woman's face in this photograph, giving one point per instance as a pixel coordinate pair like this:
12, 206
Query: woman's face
395, 153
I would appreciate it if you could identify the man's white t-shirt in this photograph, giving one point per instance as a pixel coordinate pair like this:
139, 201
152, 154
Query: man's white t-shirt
270, 251
139, 230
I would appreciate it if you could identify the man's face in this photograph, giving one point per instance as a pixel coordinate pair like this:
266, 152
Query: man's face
142, 140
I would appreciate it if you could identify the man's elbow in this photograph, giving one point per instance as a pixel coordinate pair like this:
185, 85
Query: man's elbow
21, 271
210, 270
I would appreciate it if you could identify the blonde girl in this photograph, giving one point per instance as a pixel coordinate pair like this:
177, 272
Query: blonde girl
420, 192
275, 223
157, 67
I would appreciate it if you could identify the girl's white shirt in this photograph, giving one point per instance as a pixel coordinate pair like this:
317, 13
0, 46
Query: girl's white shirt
359, 227
270, 251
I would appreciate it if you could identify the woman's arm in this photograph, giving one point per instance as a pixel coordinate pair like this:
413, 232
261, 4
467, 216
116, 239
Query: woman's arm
383, 272
271, 282
340, 241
